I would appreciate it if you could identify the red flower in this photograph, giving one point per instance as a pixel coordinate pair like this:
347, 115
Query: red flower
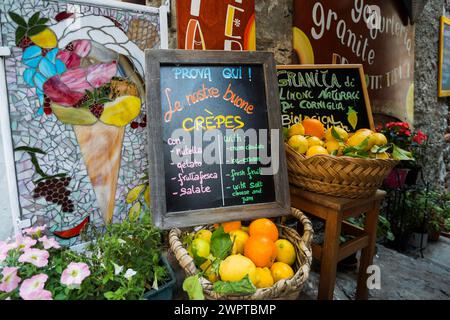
420, 137
407, 133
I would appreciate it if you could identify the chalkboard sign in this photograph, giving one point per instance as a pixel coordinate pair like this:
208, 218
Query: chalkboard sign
333, 94
211, 139
444, 58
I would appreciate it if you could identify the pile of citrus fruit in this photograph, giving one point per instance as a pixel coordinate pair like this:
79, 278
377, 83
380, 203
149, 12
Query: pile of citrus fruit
256, 251
310, 137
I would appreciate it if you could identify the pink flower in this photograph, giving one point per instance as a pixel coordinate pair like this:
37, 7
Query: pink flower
67, 89
37, 257
34, 231
74, 274
10, 279
49, 243
4, 249
70, 59
24, 243
33, 288
81, 47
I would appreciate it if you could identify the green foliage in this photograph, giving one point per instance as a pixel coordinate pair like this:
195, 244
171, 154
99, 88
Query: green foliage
221, 243
134, 245
245, 286
193, 287
34, 26
401, 154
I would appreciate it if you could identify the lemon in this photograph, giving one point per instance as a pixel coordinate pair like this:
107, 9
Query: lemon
378, 139
45, 39
263, 278
316, 150
281, 270
147, 195
203, 234
134, 193
236, 267
121, 111
201, 248
285, 251
298, 143
239, 238
334, 145
296, 129
314, 141
383, 155
244, 228
341, 133
359, 137
208, 271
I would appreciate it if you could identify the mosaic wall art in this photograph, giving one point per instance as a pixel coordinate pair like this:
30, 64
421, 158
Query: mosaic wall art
77, 111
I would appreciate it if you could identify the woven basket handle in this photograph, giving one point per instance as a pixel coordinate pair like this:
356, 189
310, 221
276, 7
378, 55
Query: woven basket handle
308, 231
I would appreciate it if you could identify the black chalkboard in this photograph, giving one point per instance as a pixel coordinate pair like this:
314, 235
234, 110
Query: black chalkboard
329, 93
444, 58
205, 113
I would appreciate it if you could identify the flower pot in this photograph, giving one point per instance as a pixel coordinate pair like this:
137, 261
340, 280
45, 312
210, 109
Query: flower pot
397, 178
434, 235
165, 291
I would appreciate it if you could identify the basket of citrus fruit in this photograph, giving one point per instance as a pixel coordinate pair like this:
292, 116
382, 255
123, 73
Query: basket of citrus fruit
231, 261
335, 162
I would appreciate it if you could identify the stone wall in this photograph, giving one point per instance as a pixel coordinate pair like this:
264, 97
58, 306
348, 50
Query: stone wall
431, 112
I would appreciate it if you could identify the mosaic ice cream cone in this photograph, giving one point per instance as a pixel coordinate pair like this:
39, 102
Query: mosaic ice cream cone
101, 146
99, 100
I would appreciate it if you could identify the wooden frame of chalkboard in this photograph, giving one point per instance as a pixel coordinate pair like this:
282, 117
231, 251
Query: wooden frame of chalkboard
340, 66
155, 60
442, 91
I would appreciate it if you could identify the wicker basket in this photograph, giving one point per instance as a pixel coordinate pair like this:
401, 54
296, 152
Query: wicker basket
283, 289
343, 177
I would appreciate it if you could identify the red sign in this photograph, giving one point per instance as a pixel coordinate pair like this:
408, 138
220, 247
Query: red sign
374, 33
216, 25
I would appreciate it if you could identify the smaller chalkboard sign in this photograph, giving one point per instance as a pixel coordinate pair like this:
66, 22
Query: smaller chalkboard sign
334, 94
444, 58
216, 150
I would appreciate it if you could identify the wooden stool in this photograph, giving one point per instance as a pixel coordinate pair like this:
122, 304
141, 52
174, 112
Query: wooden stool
334, 211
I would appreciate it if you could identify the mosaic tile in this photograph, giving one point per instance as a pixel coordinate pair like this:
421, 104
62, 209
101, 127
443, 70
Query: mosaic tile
59, 141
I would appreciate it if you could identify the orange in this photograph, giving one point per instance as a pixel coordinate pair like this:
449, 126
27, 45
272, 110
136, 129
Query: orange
261, 250
280, 271
314, 127
263, 227
229, 226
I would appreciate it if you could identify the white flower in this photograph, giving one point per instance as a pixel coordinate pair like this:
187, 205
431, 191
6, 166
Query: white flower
117, 269
129, 274
121, 241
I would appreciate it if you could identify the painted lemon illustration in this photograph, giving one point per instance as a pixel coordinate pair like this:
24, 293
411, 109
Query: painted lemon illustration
121, 111
45, 39
81, 116
302, 46
352, 117
410, 103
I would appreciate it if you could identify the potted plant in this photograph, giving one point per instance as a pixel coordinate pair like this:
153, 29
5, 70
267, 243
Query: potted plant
402, 136
35, 267
127, 263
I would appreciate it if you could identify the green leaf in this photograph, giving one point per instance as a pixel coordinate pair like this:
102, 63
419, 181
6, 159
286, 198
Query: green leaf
363, 145
34, 19
20, 34
378, 149
336, 135
221, 243
18, 19
36, 30
42, 21
334, 152
29, 149
285, 133
245, 286
193, 288
401, 154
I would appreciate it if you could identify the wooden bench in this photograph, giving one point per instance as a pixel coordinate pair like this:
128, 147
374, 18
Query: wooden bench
334, 211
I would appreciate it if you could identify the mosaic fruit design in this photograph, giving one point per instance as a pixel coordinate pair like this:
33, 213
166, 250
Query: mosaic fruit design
302, 46
54, 188
242, 260
336, 141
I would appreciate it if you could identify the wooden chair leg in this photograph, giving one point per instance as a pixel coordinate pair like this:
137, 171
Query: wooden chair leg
370, 226
330, 251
